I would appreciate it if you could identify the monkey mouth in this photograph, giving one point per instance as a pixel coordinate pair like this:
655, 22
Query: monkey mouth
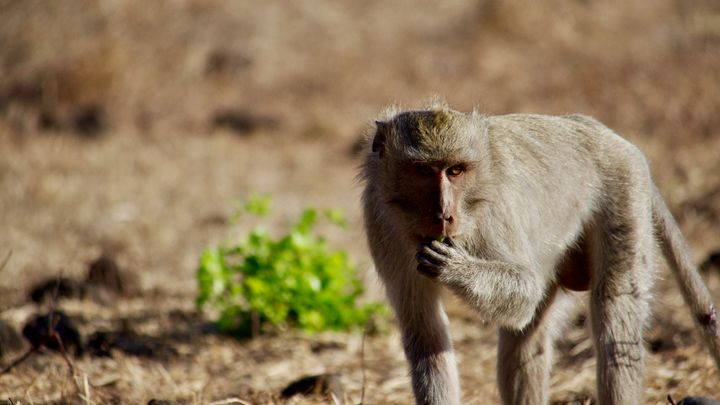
438, 237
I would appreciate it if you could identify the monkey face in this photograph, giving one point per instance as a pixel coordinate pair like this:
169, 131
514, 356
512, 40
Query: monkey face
428, 197
425, 163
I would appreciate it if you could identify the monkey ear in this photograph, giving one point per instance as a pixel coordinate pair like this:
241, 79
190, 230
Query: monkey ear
378, 143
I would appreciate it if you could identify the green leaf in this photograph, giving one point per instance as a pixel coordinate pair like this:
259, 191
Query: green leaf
307, 221
258, 205
211, 275
292, 281
336, 217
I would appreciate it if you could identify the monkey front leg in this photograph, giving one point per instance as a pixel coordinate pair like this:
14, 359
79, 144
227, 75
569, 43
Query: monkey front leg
425, 337
506, 293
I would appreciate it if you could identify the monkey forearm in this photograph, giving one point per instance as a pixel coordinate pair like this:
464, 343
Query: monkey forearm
507, 293
504, 292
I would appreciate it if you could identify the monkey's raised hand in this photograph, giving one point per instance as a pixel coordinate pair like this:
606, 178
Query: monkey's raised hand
436, 258
504, 292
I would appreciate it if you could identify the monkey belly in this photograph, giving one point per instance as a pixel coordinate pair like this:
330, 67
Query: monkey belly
574, 270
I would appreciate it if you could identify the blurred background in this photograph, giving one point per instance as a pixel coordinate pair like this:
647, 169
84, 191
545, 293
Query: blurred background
132, 129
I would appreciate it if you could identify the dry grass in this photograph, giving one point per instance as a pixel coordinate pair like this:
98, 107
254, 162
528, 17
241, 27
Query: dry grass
152, 180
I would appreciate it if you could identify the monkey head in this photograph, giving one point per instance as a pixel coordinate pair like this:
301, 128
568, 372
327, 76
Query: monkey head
426, 163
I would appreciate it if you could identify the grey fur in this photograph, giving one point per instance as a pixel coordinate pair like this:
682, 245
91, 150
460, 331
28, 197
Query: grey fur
535, 187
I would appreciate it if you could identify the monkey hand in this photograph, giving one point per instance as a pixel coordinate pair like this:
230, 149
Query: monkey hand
437, 259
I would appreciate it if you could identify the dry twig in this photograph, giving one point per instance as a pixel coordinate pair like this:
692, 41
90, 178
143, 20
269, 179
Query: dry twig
7, 259
19, 360
229, 401
85, 396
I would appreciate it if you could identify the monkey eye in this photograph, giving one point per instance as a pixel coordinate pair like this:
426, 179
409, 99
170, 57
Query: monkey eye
455, 170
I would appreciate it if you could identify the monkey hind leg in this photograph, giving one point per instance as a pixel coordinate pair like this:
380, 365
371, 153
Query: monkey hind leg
617, 327
619, 304
525, 357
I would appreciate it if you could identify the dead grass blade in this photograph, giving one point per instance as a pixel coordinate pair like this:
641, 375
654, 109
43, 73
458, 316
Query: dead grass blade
229, 401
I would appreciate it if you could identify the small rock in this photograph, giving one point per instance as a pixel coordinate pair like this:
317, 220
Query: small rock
89, 120
224, 62
323, 384
56, 288
46, 330
242, 122
104, 273
102, 343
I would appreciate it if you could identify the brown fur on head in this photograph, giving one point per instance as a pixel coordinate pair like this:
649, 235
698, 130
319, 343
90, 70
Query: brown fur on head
426, 163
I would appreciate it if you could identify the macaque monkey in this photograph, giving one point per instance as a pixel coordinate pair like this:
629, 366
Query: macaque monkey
510, 213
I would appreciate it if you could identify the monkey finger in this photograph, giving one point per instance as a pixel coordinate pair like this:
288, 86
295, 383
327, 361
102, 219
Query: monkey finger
431, 256
427, 260
440, 247
428, 271
429, 244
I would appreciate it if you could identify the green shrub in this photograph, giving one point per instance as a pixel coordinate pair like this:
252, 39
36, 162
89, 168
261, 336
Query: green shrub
294, 281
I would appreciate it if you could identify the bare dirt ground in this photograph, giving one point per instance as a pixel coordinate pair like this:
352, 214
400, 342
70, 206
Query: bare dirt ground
132, 129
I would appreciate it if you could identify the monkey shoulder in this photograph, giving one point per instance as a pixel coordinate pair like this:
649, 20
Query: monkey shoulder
575, 135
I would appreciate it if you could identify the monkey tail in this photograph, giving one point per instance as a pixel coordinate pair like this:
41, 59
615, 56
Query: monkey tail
683, 267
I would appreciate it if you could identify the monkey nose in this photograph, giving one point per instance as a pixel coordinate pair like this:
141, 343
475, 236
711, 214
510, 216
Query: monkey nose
446, 217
